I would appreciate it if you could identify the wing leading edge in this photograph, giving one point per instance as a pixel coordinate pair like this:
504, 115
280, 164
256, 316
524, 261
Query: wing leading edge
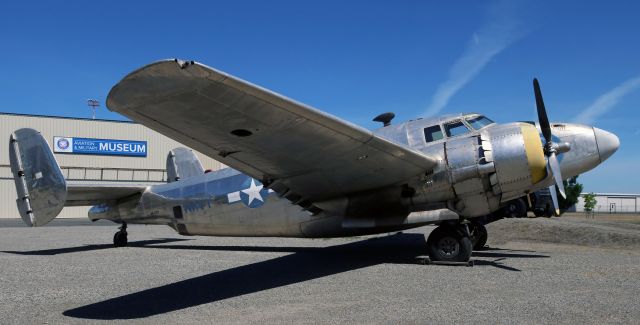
290, 146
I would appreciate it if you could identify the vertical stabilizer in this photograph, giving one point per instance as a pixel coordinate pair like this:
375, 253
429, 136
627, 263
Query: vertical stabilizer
40, 185
182, 163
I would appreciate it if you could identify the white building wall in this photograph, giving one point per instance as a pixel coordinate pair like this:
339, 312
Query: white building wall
150, 169
612, 203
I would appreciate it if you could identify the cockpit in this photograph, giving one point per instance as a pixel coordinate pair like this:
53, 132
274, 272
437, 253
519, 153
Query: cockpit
456, 126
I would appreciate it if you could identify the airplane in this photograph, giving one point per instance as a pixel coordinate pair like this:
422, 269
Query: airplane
295, 171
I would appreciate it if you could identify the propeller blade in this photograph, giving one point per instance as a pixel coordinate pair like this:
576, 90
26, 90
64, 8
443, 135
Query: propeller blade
555, 171
554, 198
553, 166
542, 112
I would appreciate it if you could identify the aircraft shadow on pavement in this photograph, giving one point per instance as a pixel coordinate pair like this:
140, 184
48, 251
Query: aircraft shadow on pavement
256, 249
303, 264
92, 247
501, 255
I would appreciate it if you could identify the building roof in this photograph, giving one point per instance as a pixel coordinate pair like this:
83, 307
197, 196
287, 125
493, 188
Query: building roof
614, 194
66, 117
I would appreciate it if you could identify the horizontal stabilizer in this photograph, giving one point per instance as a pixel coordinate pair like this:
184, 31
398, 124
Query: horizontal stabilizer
41, 188
83, 194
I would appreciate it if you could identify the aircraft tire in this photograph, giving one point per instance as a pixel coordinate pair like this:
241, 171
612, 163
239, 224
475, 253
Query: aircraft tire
449, 244
116, 239
516, 209
549, 212
120, 239
480, 238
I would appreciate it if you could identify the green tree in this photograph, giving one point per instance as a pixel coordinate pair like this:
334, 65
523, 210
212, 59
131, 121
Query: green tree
590, 202
572, 189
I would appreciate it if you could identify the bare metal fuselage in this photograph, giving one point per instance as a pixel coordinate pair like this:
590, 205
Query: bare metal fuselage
476, 173
216, 205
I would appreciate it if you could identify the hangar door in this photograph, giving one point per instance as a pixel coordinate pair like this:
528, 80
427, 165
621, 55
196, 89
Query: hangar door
621, 204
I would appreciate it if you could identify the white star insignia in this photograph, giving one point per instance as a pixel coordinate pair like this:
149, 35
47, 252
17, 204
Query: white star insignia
254, 192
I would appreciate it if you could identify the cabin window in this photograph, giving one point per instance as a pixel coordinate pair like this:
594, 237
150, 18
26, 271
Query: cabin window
479, 122
455, 129
433, 133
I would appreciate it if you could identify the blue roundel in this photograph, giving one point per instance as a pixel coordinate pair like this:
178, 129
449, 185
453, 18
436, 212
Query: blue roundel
253, 194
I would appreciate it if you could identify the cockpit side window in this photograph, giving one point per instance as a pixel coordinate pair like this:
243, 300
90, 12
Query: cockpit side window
455, 128
433, 133
479, 122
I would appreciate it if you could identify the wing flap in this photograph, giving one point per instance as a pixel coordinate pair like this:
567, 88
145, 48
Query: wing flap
261, 133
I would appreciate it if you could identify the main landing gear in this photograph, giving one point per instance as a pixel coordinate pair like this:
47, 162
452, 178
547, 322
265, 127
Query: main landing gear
450, 243
120, 237
455, 242
479, 235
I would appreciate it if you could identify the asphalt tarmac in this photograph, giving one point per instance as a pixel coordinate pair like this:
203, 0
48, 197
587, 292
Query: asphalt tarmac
69, 273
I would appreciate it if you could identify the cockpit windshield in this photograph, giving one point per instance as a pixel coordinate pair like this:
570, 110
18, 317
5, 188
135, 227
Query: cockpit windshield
455, 128
479, 122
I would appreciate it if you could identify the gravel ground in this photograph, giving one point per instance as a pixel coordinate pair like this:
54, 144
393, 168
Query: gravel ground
573, 230
72, 275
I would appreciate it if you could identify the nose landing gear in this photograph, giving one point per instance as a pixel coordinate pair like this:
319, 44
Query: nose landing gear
120, 237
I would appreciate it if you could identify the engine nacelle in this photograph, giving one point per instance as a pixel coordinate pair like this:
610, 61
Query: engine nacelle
469, 177
502, 163
516, 151
480, 173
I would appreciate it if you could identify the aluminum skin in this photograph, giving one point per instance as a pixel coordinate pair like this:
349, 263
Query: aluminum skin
299, 172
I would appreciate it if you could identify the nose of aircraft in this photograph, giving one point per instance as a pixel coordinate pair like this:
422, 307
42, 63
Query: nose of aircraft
607, 143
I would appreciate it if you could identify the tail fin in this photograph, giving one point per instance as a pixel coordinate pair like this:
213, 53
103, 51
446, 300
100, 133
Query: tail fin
182, 163
41, 188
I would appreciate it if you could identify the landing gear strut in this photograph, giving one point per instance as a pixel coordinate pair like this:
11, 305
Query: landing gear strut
478, 234
120, 237
450, 243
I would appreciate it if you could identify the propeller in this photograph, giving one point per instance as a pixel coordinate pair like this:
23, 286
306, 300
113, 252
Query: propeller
550, 148
554, 199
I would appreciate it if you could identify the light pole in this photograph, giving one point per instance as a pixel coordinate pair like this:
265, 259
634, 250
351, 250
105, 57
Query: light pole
94, 105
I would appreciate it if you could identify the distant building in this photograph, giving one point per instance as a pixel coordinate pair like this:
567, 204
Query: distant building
611, 203
87, 150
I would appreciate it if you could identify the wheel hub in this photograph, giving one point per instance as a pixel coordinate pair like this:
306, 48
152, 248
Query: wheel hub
449, 246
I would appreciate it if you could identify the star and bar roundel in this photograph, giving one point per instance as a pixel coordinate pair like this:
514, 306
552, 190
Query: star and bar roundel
253, 194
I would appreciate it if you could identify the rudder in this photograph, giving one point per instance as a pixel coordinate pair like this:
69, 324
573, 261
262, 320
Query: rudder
40, 185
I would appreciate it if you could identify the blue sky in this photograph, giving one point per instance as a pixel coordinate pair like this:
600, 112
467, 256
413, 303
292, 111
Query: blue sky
353, 59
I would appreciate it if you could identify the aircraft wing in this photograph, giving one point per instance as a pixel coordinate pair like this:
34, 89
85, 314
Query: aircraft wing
290, 146
91, 194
